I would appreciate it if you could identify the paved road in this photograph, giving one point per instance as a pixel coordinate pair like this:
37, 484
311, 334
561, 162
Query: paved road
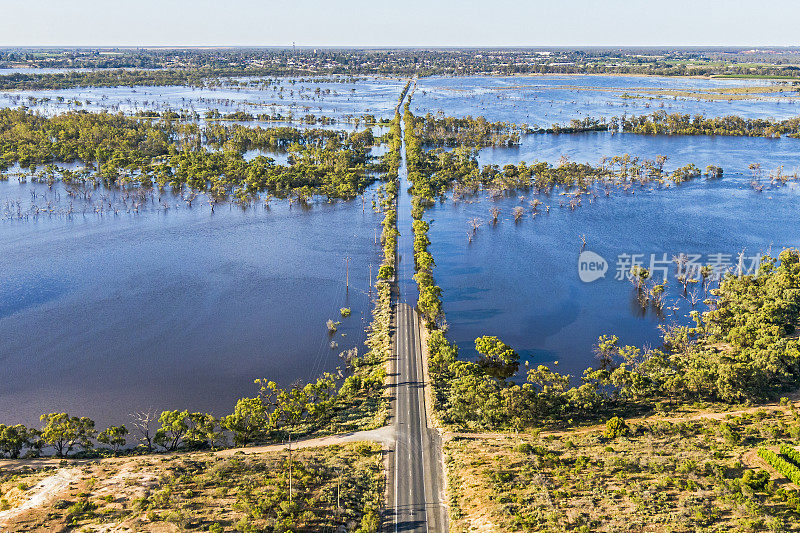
415, 487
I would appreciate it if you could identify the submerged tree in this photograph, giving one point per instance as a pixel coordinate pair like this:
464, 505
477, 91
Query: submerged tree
497, 358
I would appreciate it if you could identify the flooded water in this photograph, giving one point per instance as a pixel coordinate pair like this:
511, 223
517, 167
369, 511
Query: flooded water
333, 100
101, 315
547, 100
104, 313
733, 154
520, 281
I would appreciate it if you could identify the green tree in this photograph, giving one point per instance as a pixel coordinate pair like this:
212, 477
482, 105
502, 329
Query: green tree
249, 421
616, 427
64, 432
113, 436
13, 439
203, 431
174, 425
497, 358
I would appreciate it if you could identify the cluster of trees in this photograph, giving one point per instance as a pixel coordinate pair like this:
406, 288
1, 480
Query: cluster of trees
429, 302
103, 78
379, 336
432, 172
242, 116
197, 76
742, 349
122, 151
421, 169
473, 132
662, 123
581, 126
618, 171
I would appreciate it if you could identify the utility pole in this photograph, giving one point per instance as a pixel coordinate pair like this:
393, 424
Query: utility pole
290, 468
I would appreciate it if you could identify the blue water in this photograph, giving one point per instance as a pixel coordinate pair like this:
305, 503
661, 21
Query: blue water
519, 280
556, 99
104, 314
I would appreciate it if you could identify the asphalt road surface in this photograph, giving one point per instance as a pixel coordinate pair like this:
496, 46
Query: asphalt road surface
415, 489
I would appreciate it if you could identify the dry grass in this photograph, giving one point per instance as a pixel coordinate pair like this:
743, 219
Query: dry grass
664, 476
205, 492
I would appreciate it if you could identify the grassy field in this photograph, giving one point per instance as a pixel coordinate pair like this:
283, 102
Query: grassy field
200, 492
697, 475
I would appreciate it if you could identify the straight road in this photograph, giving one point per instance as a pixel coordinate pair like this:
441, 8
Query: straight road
416, 493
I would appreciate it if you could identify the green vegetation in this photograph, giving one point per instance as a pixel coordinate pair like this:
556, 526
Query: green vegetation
319, 490
379, 338
618, 171
64, 432
126, 152
435, 171
791, 453
661, 123
324, 406
660, 475
788, 468
656, 123
13, 439
467, 131
421, 170
193, 77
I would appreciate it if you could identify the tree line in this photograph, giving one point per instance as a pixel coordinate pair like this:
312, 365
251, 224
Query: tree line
273, 413
663, 123
121, 151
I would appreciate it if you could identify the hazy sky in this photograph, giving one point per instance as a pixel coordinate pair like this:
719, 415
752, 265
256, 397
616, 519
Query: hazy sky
404, 23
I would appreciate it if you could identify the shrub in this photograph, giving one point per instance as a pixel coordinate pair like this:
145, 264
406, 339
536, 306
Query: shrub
756, 480
616, 427
525, 448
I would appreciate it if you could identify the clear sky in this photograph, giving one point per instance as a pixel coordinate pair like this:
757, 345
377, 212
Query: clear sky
403, 23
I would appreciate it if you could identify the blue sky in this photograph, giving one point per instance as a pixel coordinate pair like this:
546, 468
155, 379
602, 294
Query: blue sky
405, 23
